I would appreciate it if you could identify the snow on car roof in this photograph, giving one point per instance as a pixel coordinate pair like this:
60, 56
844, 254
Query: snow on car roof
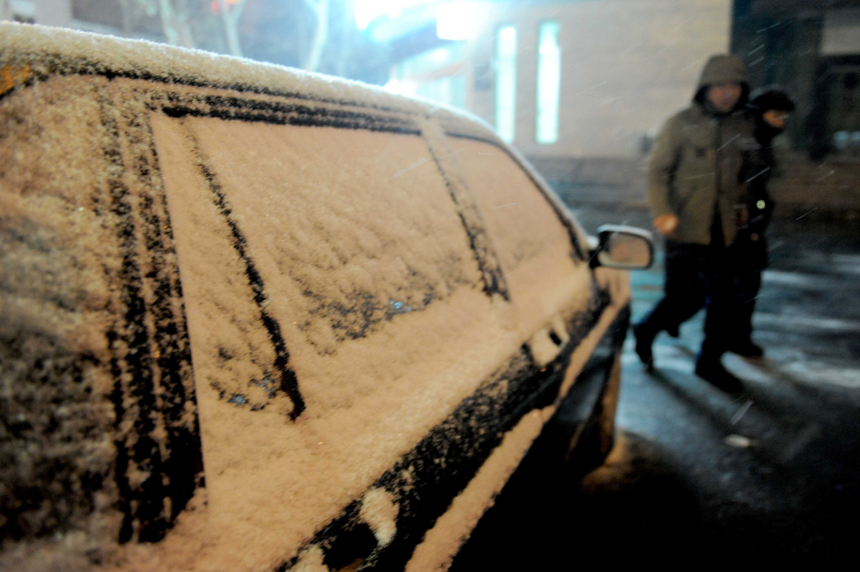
44, 51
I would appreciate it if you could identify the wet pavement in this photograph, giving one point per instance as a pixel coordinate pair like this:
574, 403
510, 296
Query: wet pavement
700, 476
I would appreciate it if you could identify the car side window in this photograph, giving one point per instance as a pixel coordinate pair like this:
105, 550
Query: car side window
532, 243
337, 254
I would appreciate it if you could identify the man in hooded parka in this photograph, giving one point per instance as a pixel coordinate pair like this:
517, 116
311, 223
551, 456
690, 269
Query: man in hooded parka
696, 192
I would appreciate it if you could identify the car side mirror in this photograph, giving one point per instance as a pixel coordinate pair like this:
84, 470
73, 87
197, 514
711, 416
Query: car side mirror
623, 247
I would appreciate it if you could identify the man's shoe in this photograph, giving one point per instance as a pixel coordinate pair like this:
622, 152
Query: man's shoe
644, 341
712, 371
747, 349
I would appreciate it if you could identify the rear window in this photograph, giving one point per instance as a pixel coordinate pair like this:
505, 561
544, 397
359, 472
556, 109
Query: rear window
55, 255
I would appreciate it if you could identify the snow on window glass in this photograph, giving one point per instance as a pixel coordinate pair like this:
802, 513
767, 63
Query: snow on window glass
349, 241
532, 243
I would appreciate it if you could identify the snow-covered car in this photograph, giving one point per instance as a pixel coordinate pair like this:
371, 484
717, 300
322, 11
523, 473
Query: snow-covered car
258, 319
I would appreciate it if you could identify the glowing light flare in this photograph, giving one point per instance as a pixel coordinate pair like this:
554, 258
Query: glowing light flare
400, 87
366, 11
506, 82
460, 20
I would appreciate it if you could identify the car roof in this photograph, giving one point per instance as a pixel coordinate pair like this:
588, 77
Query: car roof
44, 52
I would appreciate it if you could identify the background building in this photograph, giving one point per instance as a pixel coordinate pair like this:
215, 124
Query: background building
812, 47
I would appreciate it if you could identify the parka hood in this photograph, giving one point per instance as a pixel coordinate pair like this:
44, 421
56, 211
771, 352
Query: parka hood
723, 69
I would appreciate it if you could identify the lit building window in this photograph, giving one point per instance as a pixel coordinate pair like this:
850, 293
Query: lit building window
549, 83
506, 82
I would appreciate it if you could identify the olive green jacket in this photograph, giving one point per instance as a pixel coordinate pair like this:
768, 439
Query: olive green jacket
699, 161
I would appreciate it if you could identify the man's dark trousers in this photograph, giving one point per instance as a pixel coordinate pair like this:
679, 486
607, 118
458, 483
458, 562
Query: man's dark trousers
750, 259
695, 275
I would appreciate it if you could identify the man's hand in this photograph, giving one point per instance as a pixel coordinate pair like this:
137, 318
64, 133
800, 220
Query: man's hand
666, 224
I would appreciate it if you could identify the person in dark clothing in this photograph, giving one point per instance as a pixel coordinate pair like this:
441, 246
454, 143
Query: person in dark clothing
696, 195
770, 108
